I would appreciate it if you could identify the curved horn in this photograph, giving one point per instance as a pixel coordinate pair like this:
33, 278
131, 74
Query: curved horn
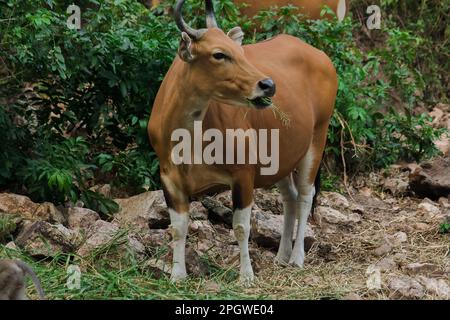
182, 25
211, 21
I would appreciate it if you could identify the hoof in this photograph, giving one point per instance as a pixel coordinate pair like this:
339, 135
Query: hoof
281, 260
247, 279
178, 276
296, 263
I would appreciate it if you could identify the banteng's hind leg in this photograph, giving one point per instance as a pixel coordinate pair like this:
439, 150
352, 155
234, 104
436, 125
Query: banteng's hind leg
288, 192
307, 171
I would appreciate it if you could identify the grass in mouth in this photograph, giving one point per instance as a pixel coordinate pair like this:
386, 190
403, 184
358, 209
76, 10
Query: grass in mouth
283, 116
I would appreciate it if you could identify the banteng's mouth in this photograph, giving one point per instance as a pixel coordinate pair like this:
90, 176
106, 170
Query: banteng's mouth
260, 102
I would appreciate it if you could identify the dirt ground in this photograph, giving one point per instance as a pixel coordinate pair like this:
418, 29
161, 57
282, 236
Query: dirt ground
391, 248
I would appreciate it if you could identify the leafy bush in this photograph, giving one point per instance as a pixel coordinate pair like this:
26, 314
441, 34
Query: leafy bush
74, 105
97, 83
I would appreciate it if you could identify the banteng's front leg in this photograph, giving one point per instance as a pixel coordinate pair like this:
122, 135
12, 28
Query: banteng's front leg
178, 205
242, 192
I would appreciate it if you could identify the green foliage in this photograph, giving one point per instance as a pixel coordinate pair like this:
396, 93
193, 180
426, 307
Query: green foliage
74, 105
8, 225
97, 83
366, 127
444, 228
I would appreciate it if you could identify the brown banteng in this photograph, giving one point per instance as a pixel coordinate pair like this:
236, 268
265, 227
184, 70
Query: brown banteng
227, 86
310, 8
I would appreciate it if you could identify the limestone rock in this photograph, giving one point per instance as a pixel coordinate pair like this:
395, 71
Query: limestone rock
41, 238
405, 288
268, 200
81, 218
436, 286
432, 179
100, 233
144, 211
334, 200
416, 268
266, 230
198, 211
217, 211
396, 186
386, 264
329, 215
27, 209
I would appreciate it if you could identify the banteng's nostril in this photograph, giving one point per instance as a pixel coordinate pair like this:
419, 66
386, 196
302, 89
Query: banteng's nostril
268, 86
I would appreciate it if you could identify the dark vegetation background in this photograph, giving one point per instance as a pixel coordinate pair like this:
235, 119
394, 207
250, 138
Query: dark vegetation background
74, 105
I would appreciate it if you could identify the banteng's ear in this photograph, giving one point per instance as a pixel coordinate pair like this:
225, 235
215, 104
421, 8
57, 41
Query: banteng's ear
237, 35
185, 48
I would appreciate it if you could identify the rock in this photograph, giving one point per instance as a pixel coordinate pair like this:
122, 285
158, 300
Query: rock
444, 202
268, 200
217, 212
429, 209
405, 288
334, 200
420, 226
11, 245
398, 238
416, 268
194, 264
81, 218
386, 264
373, 281
396, 186
443, 144
365, 192
352, 296
100, 234
328, 215
197, 211
437, 115
357, 208
158, 268
437, 287
266, 229
432, 180
204, 235
202, 229
225, 199
41, 238
155, 238
144, 211
211, 286
383, 249
136, 247
27, 209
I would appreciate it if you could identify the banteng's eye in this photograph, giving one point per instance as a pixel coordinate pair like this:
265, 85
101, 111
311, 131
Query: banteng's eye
220, 56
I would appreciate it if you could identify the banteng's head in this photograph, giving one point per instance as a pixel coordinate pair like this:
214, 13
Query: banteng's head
218, 65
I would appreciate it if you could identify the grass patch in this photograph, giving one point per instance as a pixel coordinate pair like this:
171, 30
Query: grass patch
131, 281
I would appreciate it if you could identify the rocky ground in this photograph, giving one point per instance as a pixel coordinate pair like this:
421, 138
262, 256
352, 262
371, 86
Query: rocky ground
378, 243
385, 238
